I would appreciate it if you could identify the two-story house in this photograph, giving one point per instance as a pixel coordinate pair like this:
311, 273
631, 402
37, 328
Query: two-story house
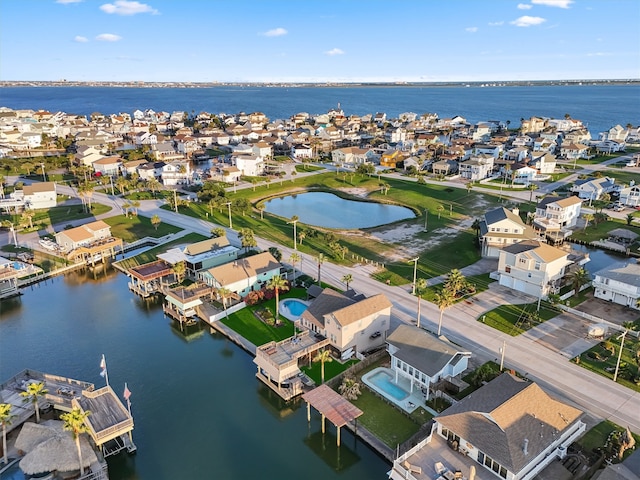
630, 196
593, 188
619, 283
477, 167
249, 165
563, 212
201, 256
350, 323
500, 228
243, 275
422, 359
532, 267
39, 195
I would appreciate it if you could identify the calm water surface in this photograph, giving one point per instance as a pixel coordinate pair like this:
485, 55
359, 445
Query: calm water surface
199, 411
328, 210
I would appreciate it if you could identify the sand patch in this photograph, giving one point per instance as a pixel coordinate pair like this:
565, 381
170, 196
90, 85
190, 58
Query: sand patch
355, 191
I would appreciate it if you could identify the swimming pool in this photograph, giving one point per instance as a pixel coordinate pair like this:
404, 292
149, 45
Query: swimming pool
292, 308
382, 381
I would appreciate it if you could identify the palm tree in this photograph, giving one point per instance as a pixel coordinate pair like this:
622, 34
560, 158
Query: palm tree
440, 210
476, 226
444, 299
179, 270
218, 232
350, 388
293, 259
224, 293
278, 283
348, 278
32, 394
579, 278
135, 204
455, 282
629, 218
156, 221
5, 420
301, 236
75, 422
27, 216
294, 220
320, 260
247, 239
587, 218
322, 357
421, 287
532, 187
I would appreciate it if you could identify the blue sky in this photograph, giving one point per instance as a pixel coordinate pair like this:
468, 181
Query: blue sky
310, 40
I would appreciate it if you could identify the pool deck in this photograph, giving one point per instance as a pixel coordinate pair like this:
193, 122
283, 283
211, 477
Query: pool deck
414, 399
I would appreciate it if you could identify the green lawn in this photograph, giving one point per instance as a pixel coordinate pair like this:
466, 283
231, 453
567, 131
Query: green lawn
245, 323
596, 438
602, 361
135, 227
59, 215
601, 231
481, 283
308, 168
384, 421
510, 319
151, 254
331, 369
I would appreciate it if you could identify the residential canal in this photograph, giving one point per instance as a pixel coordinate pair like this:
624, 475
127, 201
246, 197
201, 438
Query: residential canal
331, 211
199, 411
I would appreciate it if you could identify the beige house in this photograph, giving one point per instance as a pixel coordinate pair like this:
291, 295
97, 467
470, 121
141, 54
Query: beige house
39, 195
350, 323
501, 228
559, 212
532, 267
243, 275
511, 427
83, 235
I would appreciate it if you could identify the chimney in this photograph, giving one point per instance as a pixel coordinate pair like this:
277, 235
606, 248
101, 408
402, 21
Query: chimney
516, 211
524, 447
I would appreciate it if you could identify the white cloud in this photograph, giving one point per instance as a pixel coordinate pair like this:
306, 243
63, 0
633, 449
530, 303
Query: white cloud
276, 32
80, 39
108, 37
527, 21
553, 3
334, 51
599, 54
524, 6
495, 24
124, 7
65, 2
471, 29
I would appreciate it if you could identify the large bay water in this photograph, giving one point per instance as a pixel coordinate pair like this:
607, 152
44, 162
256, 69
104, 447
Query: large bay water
199, 411
599, 106
328, 210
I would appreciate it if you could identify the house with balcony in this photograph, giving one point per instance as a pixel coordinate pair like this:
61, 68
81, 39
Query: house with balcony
477, 167
177, 172
301, 151
39, 195
422, 359
511, 427
201, 256
574, 151
593, 188
243, 275
391, 158
109, 166
619, 283
558, 212
500, 228
544, 163
352, 323
90, 243
630, 196
532, 267
352, 156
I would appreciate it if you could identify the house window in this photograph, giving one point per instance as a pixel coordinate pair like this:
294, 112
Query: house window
507, 269
537, 266
523, 260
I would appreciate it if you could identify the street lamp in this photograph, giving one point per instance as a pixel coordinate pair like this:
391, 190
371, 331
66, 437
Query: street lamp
228, 204
294, 220
415, 272
44, 177
504, 347
621, 338
426, 215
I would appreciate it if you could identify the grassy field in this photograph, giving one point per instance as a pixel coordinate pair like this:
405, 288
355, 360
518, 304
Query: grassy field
596, 438
60, 215
446, 207
601, 231
511, 319
603, 357
135, 227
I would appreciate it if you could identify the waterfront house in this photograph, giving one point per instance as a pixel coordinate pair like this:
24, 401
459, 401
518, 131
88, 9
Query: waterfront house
243, 275
352, 323
178, 172
8, 278
202, 255
593, 188
39, 195
249, 165
532, 267
423, 359
533, 125
574, 151
544, 163
109, 166
560, 212
500, 228
630, 196
619, 283
511, 426
150, 170
90, 242
301, 151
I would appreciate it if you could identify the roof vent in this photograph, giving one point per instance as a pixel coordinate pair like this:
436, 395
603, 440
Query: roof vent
524, 447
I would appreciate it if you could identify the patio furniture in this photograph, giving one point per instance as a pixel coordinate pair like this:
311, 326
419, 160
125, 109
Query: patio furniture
440, 468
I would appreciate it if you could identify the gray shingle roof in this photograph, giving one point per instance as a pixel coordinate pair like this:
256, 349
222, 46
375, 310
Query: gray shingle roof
628, 273
501, 415
422, 350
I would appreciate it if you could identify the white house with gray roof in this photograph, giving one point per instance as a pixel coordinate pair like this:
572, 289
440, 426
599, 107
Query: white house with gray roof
500, 228
511, 427
619, 283
424, 359
594, 188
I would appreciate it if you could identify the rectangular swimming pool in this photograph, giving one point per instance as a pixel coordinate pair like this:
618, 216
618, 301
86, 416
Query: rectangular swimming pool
382, 380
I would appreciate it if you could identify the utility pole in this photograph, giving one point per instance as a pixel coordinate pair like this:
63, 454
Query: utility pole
504, 347
228, 204
621, 338
426, 215
44, 176
415, 272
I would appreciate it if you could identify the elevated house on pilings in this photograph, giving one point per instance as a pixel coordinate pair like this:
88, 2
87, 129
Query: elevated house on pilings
89, 243
182, 303
150, 278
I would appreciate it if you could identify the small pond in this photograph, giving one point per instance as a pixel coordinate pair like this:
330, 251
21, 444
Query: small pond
328, 210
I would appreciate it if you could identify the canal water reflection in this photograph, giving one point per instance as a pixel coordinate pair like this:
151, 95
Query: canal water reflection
199, 411
328, 210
